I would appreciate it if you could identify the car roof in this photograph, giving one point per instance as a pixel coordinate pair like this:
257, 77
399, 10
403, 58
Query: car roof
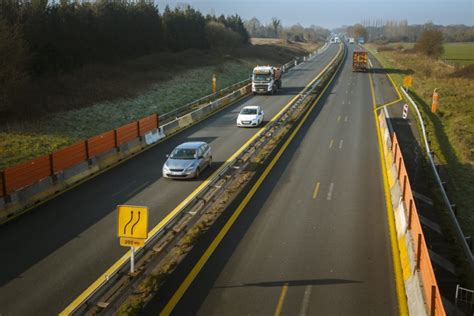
251, 107
191, 145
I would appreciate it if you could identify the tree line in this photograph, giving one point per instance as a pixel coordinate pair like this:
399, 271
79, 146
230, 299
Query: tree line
40, 37
401, 31
296, 32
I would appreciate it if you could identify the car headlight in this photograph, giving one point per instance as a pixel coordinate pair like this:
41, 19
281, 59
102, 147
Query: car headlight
165, 168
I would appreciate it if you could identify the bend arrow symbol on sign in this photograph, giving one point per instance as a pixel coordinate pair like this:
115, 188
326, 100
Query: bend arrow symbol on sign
132, 221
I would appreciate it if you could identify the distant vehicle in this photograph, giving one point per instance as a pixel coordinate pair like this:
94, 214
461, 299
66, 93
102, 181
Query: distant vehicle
337, 40
188, 160
251, 116
266, 79
360, 60
361, 40
351, 40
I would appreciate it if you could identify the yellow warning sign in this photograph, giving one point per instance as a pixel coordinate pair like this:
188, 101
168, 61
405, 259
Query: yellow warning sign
132, 242
132, 221
407, 81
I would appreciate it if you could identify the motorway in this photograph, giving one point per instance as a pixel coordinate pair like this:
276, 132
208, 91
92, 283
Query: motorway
314, 238
51, 254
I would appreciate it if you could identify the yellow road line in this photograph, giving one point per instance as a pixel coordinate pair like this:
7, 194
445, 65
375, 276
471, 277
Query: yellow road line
330, 144
100, 280
98, 173
400, 98
316, 190
284, 289
396, 260
212, 247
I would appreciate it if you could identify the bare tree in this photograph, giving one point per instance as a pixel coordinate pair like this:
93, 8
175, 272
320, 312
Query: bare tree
430, 43
276, 24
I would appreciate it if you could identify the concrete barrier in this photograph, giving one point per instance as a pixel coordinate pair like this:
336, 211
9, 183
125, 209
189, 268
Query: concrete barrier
421, 288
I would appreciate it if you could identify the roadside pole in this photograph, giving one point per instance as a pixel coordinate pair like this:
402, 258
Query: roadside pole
132, 227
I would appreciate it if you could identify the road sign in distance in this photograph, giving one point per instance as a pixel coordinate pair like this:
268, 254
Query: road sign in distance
407, 81
405, 111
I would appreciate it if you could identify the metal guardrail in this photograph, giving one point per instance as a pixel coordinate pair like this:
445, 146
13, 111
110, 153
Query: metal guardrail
159, 232
182, 110
459, 233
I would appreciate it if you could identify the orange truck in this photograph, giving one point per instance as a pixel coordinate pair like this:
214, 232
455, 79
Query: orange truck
360, 60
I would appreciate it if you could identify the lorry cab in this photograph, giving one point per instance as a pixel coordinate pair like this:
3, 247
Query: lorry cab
266, 79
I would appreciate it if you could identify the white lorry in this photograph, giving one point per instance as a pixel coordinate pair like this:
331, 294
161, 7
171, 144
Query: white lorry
351, 40
266, 79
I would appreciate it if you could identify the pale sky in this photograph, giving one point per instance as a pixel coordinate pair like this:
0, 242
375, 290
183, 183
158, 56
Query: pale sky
335, 13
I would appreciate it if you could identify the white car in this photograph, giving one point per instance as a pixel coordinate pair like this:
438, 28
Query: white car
251, 116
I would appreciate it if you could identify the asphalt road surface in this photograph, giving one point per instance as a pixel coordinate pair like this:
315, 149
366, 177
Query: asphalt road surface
314, 238
51, 254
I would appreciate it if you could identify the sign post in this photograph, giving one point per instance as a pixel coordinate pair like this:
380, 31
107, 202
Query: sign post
214, 83
132, 228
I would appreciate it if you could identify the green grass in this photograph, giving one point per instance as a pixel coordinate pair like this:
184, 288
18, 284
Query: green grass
150, 84
460, 53
23, 141
456, 53
451, 130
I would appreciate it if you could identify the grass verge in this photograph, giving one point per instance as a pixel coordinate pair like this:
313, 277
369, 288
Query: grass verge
99, 98
451, 130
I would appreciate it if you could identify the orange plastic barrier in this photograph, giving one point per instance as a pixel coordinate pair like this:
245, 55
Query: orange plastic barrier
29, 172
69, 156
126, 133
147, 124
101, 143
423, 262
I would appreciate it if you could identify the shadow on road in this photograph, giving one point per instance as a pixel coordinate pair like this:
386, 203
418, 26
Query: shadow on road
292, 283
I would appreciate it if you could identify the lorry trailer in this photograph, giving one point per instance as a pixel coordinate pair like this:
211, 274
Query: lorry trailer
360, 60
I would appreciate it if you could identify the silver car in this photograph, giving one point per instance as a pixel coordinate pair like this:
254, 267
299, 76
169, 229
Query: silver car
188, 160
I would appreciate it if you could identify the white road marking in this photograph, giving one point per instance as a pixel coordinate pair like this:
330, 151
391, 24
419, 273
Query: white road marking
331, 187
330, 144
305, 303
340, 143
345, 119
348, 102
338, 118
342, 102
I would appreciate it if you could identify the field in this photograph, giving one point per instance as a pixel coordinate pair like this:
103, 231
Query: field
451, 129
459, 53
455, 53
123, 93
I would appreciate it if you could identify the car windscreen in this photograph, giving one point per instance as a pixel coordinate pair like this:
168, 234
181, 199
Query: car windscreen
183, 153
247, 111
